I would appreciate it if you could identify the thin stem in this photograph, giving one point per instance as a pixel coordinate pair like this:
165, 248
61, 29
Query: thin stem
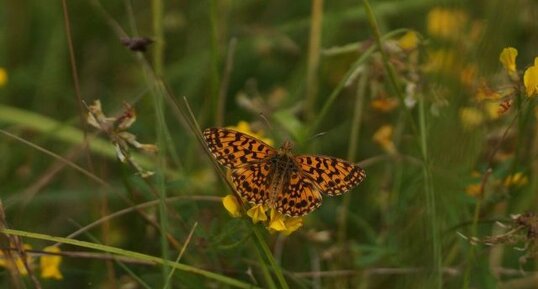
313, 57
134, 255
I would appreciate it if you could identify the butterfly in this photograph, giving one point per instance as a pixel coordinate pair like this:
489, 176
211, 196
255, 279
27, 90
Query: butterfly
276, 178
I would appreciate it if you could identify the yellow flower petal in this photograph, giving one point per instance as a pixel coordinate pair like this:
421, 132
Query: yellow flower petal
244, 127
292, 224
471, 117
409, 41
3, 77
530, 79
473, 190
508, 59
383, 137
384, 104
231, 205
257, 214
50, 264
516, 180
446, 23
18, 260
277, 221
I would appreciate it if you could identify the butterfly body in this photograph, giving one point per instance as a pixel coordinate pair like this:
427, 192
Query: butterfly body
290, 184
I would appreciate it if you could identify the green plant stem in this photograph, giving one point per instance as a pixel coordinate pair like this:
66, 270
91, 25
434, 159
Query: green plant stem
430, 198
265, 249
313, 58
158, 34
215, 57
134, 255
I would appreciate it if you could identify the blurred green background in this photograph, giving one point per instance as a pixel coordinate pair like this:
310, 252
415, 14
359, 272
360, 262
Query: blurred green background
427, 135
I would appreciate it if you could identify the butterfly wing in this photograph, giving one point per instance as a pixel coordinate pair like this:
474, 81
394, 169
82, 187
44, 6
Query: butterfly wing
299, 196
332, 176
253, 182
233, 149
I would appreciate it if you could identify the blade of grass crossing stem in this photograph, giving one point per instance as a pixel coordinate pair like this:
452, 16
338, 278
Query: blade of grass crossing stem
134, 255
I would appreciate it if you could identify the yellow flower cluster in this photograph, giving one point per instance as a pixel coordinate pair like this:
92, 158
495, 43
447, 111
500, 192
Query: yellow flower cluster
48, 263
276, 222
3, 77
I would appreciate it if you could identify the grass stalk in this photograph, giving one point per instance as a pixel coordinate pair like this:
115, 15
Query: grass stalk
134, 255
269, 256
430, 198
312, 67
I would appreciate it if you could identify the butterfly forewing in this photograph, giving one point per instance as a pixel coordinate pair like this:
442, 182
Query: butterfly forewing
299, 196
332, 176
234, 149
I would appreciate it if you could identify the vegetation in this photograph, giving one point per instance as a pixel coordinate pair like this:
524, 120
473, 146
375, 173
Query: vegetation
107, 182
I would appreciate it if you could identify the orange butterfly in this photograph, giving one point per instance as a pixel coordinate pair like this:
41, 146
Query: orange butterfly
290, 184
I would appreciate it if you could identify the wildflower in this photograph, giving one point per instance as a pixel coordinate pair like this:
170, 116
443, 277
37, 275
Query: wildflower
508, 59
245, 128
446, 23
530, 79
384, 104
471, 117
383, 137
3, 77
17, 260
441, 60
116, 129
257, 214
409, 41
484, 92
474, 190
277, 221
231, 204
492, 110
50, 264
516, 180
292, 224
504, 106
468, 75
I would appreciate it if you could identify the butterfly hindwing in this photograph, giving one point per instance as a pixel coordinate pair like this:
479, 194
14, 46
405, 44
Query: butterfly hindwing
299, 196
252, 182
332, 176
233, 149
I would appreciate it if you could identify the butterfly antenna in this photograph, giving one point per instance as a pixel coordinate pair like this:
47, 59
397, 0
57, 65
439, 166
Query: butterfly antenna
320, 134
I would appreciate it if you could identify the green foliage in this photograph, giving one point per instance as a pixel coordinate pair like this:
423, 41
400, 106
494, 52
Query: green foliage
442, 163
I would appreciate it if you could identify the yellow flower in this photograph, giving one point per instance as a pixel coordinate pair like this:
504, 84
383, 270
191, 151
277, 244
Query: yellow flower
530, 79
468, 75
50, 264
277, 221
516, 180
244, 127
471, 117
383, 137
473, 190
442, 60
492, 110
292, 224
18, 260
508, 59
446, 23
231, 205
409, 41
384, 104
257, 214
3, 77
484, 92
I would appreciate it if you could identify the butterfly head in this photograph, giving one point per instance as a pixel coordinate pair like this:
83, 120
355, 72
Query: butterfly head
286, 147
